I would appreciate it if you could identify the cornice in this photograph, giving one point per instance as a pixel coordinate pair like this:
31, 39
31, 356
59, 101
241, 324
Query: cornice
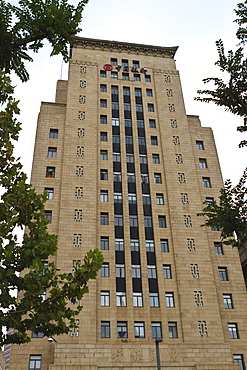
155, 51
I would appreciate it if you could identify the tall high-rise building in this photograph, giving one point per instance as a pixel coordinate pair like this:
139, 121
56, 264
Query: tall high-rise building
127, 170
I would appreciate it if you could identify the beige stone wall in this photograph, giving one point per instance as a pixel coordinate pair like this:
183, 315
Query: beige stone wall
77, 107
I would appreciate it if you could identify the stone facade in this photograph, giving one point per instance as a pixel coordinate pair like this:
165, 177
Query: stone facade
168, 166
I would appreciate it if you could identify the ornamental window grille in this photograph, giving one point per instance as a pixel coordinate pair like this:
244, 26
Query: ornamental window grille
198, 298
167, 78
173, 123
82, 99
81, 115
74, 332
184, 198
78, 215
176, 140
181, 178
80, 151
187, 221
79, 171
194, 270
83, 84
80, 133
169, 93
171, 107
191, 245
83, 70
78, 192
202, 328
77, 240
179, 158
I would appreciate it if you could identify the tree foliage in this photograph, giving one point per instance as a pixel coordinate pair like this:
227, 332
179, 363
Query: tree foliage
25, 28
232, 93
229, 214
48, 299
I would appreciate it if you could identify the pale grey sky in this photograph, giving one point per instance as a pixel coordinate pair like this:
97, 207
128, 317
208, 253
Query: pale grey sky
192, 25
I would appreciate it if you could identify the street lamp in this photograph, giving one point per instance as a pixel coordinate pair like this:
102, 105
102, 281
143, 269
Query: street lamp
157, 341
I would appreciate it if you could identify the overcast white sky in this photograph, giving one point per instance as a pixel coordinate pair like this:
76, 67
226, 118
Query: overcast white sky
192, 25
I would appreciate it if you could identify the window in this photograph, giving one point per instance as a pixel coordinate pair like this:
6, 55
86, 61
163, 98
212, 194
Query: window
50, 193
104, 195
117, 176
157, 178
154, 299
118, 220
149, 246
139, 330
150, 107
128, 140
206, 182
218, 249
138, 92
48, 215
127, 107
103, 136
103, 174
117, 197
170, 299
128, 123
152, 123
203, 163
131, 177
172, 329
147, 221
156, 330
223, 273
103, 103
113, 61
149, 92
121, 299
136, 271
154, 140
134, 245
239, 359
147, 78
214, 228
137, 299
146, 199
122, 329
102, 88
104, 219
115, 121
133, 221
227, 298
37, 335
132, 198
103, 73
79, 192
53, 133
162, 221
104, 243
114, 74
144, 178
103, 120
233, 330
77, 240
129, 158
140, 123
119, 244
141, 140
105, 298
50, 172
209, 199
103, 155
125, 62
52, 152
156, 158
105, 271
159, 199
167, 271
139, 108
143, 159
198, 298
105, 329
152, 272
35, 362
120, 271
116, 156
199, 145
125, 76
136, 64
164, 245
137, 77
